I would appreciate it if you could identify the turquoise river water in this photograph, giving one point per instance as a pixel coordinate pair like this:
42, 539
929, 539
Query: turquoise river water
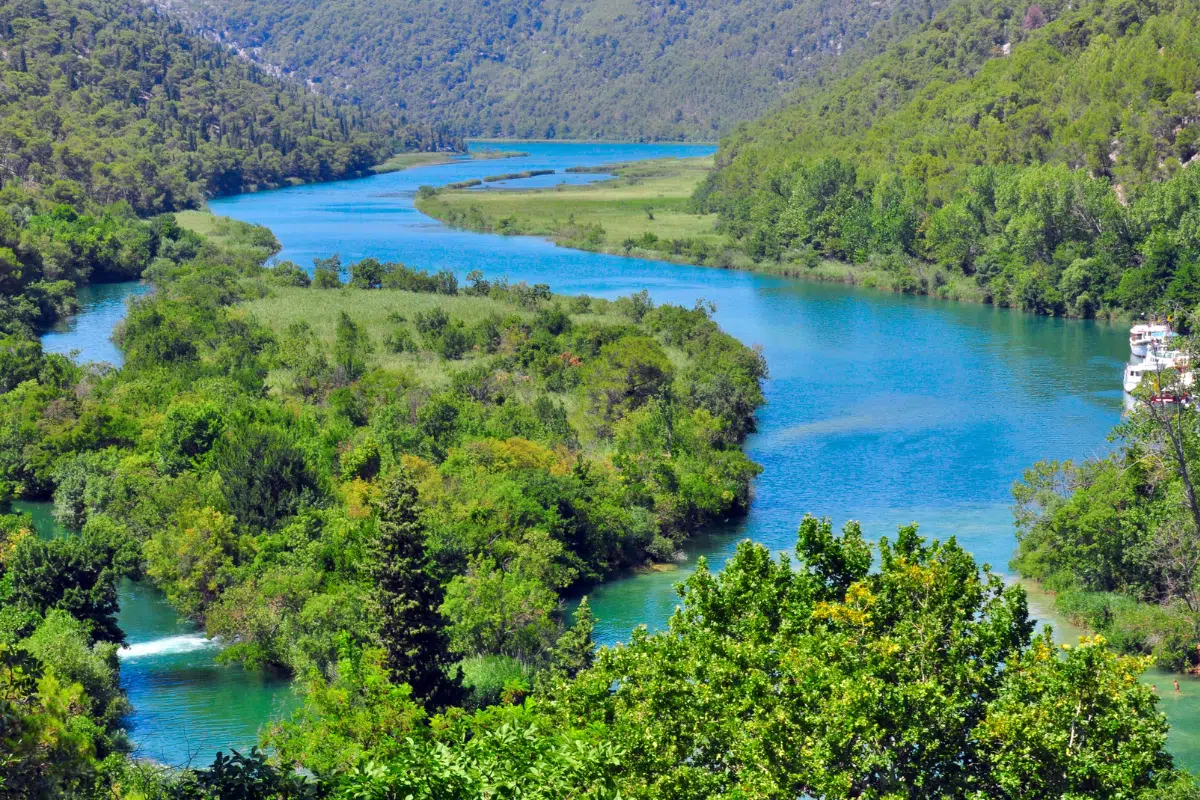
881, 408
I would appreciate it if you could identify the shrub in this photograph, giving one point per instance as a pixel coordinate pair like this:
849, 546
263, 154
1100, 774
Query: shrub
400, 340
486, 678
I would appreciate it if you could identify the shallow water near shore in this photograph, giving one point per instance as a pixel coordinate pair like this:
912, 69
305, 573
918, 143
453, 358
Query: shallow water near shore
882, 408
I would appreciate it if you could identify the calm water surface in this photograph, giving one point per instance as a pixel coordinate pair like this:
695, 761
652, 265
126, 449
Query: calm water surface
881, 408
88, 334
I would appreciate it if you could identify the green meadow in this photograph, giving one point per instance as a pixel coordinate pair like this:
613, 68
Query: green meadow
645, 209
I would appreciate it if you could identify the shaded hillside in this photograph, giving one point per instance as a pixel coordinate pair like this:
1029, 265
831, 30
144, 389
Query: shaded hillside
557, 69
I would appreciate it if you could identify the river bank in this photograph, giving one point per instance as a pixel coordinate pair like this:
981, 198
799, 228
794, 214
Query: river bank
939, 406
646, 210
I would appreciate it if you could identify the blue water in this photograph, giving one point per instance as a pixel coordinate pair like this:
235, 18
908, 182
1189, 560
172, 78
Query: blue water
88, 335
882, 408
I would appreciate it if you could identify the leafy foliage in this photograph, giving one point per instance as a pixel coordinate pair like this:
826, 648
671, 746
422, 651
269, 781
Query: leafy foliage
921, 679
828, 680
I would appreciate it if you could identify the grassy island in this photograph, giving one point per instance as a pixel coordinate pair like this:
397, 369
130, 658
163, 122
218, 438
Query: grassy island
403, 161
645, 210
648, 209
551, 441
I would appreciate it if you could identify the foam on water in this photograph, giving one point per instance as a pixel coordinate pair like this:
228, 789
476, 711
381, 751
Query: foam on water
170, 645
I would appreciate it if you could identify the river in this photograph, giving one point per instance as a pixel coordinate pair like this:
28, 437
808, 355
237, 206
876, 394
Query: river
882, 408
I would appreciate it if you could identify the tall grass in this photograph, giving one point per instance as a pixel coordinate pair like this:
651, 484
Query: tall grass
488, 679
1168, 633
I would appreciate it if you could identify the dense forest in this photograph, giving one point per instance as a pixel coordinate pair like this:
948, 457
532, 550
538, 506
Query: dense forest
389, 485
1041, 152
628, 69
109, 112
390, 505
108, 101
384, 482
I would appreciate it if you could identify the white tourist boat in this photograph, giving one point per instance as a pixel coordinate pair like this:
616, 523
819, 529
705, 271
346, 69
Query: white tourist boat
1159, 361
1147, 337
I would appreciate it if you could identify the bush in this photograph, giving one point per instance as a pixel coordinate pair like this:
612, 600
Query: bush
400, 340
326, 279
488, 679
454, 342
287, 273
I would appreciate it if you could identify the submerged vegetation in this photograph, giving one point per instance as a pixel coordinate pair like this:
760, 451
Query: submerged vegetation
403, 161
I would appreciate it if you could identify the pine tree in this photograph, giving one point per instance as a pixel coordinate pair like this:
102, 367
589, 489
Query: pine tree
575, 648
412, 629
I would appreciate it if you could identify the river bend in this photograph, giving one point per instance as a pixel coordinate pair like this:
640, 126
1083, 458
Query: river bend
882, 408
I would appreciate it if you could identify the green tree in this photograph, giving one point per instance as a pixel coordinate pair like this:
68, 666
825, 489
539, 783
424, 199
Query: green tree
359, 714
412, 628
918, 680
366, 274
265, 477
62, 644
188, 433
44, 752
327, 272
575, 649
351, 346
626, 375
20, 360
77, 575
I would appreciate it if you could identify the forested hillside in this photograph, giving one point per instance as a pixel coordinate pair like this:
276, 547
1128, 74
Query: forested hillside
555, 69
105, 101
109, 112
1041, 150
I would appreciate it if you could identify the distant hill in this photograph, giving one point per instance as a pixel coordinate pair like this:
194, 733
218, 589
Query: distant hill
642, 69
104, 101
